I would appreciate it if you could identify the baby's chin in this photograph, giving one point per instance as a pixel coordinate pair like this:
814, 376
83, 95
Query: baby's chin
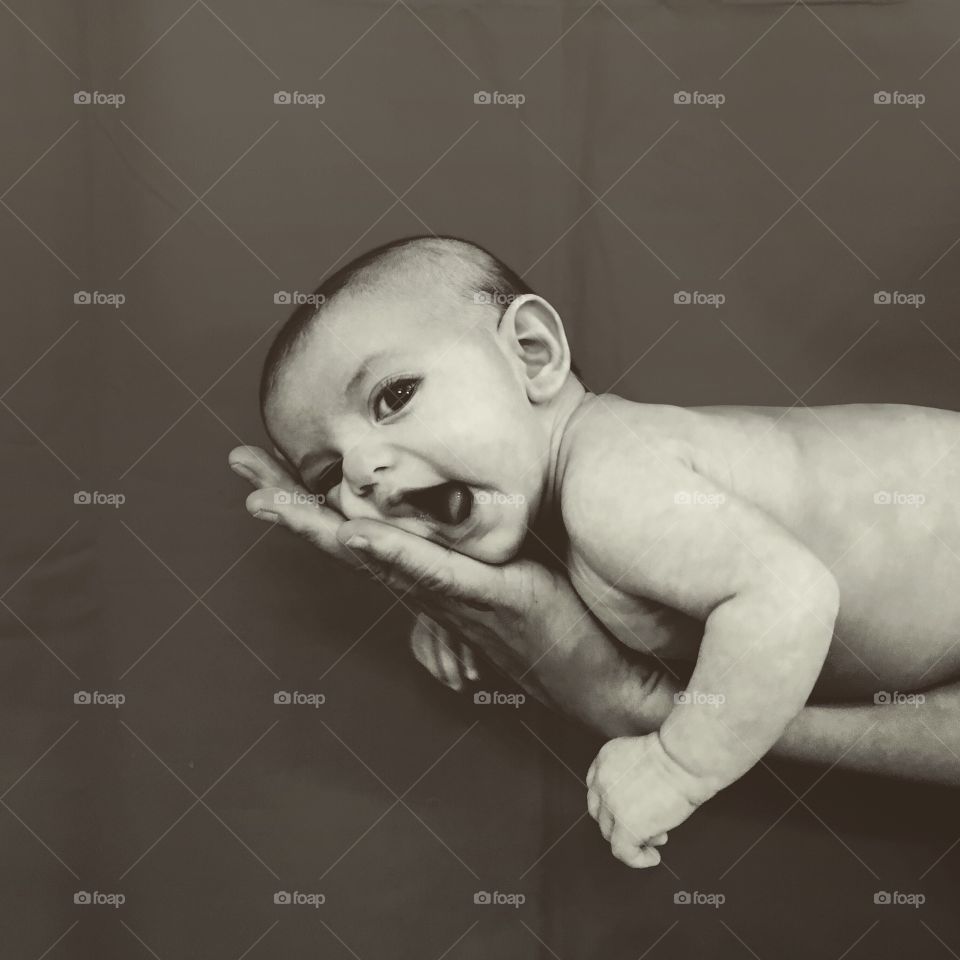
490, 534
492, 539
495, 546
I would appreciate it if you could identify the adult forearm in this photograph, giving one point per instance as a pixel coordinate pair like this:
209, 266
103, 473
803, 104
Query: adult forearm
911, 742
907, 741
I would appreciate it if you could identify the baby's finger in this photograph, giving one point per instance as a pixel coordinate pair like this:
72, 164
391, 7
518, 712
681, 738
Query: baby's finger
658, 841
593, 803
646, 857
625, 848
606, 823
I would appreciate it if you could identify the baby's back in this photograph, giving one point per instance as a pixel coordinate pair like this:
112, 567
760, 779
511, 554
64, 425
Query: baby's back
873, 490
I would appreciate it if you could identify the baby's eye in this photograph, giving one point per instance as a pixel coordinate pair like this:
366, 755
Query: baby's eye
395, 396
330, 477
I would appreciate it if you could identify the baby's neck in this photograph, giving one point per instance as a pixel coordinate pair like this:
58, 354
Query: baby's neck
547, 526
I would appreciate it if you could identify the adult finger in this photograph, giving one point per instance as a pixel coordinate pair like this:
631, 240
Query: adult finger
423, 646
261, 468
469, 662
305, 517
449, 665
422, 567
446, 664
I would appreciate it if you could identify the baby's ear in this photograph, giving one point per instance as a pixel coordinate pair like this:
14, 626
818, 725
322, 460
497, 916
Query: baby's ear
532, 330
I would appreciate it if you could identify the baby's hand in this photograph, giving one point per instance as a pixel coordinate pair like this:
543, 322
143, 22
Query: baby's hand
448, 660
636, 792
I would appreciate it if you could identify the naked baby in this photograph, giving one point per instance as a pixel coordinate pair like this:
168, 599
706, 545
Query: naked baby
820, 547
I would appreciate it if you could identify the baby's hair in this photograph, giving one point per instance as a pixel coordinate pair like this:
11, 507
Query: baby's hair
467, 269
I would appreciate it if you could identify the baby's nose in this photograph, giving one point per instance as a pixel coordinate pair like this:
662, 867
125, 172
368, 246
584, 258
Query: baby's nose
365, 468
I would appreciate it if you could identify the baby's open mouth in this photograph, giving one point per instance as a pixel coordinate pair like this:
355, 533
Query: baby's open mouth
450, 503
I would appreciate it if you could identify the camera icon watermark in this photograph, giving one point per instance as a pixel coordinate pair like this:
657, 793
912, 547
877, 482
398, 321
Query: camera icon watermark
886, 98
696, 898
886, 898
898, 498
699, 698
697, 498
94, 98
286, 898
494, 298
496, 98
287, 98
887, 298
95, 698
494, 898
87, 298
686, 98
86, 898
886, 698
497, 698
85, 498
287, 498
295, 698
697, 298
503, 499
291, 298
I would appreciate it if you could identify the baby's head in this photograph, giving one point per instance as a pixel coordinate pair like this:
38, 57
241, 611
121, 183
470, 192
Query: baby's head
429, 390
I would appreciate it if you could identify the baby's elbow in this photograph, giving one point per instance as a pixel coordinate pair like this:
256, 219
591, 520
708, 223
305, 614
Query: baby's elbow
831, 593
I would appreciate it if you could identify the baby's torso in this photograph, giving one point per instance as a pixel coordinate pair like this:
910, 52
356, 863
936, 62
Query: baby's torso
872, 490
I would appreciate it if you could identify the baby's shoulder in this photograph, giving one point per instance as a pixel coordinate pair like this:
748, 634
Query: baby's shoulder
618, 458
610, 434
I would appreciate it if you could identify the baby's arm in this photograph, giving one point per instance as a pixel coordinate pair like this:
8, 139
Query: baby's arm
649, 525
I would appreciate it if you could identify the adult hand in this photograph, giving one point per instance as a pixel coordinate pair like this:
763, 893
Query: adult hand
525, 618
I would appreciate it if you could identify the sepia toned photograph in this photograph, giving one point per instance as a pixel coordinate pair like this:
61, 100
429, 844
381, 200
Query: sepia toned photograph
483, 480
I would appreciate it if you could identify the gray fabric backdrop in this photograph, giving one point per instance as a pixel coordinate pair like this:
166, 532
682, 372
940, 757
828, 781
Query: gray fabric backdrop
198, 199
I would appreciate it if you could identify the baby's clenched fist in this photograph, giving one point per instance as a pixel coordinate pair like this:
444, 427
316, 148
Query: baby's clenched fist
636, 792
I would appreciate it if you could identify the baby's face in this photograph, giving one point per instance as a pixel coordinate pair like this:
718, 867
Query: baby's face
398, 411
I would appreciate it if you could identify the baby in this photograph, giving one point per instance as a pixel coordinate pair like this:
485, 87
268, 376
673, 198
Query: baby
432, 389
